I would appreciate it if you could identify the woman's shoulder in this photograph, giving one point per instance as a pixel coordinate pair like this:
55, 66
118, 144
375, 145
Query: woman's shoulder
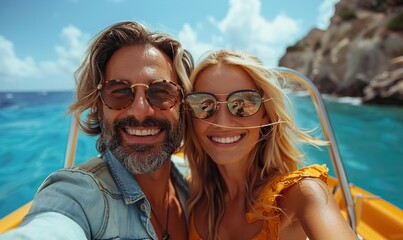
284, 181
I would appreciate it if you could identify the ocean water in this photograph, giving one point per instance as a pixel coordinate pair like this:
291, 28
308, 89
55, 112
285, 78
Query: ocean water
34, 129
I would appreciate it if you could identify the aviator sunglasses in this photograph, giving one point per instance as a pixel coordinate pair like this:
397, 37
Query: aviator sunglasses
242, 103
119, 94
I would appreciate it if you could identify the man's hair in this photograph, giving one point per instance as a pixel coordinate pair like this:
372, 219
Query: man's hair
103, 46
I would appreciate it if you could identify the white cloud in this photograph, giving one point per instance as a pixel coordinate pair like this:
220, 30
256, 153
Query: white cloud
245, 28
27, 74
244, 23
13, 67
189, 39
75, 41
326, 11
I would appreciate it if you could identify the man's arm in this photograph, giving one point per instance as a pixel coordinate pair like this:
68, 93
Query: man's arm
48, 225
65, 201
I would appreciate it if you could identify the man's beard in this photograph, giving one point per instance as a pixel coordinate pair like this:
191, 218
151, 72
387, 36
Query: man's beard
141, 158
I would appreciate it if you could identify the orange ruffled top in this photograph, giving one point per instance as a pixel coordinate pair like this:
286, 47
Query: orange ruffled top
270, 192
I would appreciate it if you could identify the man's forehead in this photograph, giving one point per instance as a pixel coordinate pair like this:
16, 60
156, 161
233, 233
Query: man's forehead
135, 62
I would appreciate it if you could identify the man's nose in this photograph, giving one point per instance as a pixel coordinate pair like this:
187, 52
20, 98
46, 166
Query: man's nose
140, 107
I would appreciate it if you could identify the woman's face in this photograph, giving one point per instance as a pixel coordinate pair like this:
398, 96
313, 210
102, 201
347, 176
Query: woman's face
230, 142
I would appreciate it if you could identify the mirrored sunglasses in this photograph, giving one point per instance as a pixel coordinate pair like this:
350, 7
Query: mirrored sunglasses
119, 94
242, 103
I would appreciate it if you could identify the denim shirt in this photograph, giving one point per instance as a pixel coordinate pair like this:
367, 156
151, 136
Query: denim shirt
103, 198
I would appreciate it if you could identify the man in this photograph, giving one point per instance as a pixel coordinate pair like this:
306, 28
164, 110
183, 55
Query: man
132, 82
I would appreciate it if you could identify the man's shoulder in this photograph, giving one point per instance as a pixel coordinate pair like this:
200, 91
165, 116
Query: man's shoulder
94, 170
77, 192
93, 165
97, 168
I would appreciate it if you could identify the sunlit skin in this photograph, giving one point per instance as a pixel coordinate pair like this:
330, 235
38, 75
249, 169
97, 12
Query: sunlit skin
305, 205
139, 64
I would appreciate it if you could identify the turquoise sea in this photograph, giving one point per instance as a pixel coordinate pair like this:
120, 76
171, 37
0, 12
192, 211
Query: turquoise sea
34, 130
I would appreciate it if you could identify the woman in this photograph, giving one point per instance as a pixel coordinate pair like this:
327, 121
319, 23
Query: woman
245, 183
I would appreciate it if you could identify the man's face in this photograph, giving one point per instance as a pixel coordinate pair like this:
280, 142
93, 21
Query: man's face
142, 137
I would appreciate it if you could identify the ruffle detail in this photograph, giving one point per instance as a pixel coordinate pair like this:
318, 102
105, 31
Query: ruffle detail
273, 189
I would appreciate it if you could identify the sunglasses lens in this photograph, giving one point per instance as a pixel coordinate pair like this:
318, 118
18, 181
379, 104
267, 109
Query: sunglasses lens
202, 105
244, 103
117, 95
163, 95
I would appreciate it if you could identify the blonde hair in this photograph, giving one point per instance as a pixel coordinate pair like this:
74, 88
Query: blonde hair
274, 154
90, 73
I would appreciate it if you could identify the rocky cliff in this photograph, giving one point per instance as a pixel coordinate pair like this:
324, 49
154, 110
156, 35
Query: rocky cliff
359, 55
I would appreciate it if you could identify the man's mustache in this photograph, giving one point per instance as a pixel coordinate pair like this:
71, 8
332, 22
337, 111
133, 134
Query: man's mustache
147, 122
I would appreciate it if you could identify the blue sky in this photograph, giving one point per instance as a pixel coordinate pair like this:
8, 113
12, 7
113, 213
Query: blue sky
42, 41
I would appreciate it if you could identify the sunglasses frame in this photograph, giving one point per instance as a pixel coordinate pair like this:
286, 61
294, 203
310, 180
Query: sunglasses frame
147, 86
226, 101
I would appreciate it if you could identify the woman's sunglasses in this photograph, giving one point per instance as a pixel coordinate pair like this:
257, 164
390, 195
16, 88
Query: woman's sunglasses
242, 103
119, 94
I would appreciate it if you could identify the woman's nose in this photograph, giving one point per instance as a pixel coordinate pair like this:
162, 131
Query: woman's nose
222, 115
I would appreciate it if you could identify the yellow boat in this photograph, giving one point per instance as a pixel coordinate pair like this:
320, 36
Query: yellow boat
370, 216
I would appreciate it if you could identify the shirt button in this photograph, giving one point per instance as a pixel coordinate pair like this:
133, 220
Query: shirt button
143, 207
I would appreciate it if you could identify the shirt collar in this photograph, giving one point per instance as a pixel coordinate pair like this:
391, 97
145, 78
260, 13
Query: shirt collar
126, 183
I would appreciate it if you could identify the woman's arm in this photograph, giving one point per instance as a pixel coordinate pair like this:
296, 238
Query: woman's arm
317, 211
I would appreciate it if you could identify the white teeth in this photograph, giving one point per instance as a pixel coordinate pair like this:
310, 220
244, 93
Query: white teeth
144, 132
226, 139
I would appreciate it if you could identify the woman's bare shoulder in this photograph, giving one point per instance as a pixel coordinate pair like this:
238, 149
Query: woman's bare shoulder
308, 194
